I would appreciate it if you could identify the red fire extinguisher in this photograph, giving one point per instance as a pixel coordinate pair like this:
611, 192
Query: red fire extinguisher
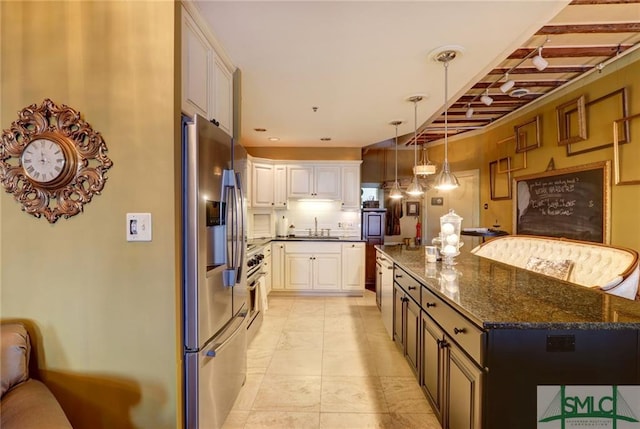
418, 232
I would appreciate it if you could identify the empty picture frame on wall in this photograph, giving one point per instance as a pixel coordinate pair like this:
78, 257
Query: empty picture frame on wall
572, 121
625, 159
606, 109
528, 135
509, 159
500, 183
413, 208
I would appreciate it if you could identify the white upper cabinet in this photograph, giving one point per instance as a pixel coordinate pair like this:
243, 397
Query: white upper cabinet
351, 187
262, 185
314, 181
196, 69
280, 186
207, 80
223, 96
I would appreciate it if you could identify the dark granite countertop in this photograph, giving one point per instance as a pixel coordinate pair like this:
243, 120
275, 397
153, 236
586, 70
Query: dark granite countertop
499, 296
263, 241
332, 239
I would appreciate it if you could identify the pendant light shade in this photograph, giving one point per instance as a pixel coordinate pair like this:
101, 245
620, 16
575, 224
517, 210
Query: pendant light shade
396, 192
446, 180
426, 167
414, 188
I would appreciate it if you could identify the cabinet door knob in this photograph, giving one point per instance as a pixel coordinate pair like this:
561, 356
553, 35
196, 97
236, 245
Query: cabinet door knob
459, 331
412, 288
431, 304
398, 276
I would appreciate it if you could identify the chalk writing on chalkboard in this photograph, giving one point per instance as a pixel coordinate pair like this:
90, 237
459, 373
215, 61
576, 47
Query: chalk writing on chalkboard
571, 203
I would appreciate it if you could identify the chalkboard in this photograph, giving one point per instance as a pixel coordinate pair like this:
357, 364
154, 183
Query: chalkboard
571, 203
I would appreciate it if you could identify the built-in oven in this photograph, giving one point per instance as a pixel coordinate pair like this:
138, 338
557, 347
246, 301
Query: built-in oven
256, 289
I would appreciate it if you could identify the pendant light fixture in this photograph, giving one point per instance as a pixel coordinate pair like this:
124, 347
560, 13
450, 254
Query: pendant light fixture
426, 167
396, 192
446, 180
414, 188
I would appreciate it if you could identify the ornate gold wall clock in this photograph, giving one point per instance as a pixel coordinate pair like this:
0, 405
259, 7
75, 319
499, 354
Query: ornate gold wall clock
52, 161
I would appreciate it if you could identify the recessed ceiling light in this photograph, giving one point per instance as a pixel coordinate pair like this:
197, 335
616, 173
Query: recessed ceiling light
274, 139
325, 139
260, 130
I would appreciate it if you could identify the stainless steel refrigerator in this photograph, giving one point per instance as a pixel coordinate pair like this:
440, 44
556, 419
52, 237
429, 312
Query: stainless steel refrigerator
214, 278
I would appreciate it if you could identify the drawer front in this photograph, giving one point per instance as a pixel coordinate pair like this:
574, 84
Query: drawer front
466, 334
407, 282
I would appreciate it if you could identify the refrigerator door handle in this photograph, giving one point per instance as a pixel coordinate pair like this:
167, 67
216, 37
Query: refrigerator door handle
228, 187
242, 226
236, 328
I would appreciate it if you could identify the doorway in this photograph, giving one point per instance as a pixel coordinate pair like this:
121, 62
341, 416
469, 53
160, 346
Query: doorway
464, 200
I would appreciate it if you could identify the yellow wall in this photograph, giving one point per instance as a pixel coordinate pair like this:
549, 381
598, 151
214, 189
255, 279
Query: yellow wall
625, 200
480, 149
105, 310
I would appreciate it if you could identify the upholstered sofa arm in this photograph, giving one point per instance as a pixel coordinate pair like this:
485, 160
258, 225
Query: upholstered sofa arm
610, 268
25, 403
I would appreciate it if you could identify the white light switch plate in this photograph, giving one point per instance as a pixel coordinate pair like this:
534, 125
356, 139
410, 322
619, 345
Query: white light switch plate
138, 226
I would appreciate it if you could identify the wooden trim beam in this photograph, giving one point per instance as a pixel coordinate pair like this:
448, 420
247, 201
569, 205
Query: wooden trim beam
621, 27
550, 69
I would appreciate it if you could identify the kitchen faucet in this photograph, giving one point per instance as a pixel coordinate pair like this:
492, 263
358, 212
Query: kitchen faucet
316, 222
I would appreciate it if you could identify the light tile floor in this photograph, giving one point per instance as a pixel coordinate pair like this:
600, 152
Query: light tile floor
327, 363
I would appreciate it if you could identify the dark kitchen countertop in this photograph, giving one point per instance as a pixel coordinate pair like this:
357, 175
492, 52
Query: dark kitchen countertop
499, 296
336, 239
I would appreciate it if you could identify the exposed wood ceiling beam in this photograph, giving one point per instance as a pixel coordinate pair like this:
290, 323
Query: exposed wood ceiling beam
499, 98
573, 51
596, 2
521, 83
550, 69
622, 27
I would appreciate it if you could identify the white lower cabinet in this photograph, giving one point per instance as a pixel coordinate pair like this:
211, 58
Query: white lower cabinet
267, 268
353, 266
312, 266
277, 265
318, 266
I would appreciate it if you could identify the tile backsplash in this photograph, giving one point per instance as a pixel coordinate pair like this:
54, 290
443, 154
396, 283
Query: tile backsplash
302, 215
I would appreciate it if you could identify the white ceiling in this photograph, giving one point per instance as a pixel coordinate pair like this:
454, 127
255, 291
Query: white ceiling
358, 61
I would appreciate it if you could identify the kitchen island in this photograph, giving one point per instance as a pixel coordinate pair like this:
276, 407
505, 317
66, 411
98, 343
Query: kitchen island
481, 337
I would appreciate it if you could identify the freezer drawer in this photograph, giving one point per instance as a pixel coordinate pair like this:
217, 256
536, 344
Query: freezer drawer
215, 375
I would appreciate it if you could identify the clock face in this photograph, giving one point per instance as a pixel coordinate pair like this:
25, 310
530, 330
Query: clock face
43, 160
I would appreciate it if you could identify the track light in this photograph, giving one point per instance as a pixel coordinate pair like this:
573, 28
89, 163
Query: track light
507, 85
469, 112
539, 62
486, 99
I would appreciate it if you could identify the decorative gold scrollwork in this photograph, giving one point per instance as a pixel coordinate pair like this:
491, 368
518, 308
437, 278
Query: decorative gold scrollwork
82, 153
